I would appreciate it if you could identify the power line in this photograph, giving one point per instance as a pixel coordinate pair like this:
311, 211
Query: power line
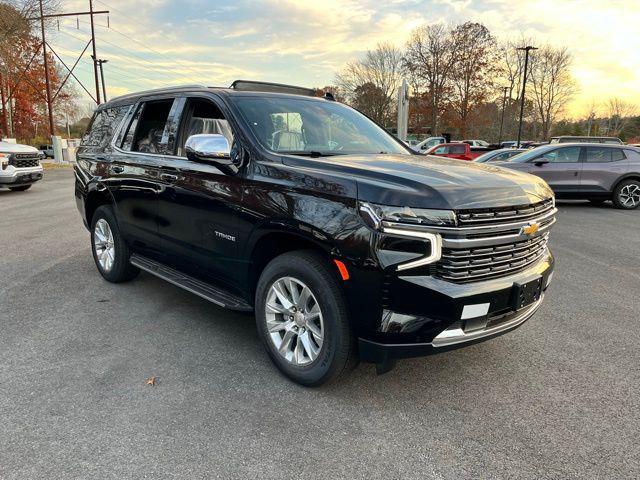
138, 41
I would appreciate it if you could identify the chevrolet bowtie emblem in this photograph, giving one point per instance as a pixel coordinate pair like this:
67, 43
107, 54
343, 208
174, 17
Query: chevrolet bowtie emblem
530, 229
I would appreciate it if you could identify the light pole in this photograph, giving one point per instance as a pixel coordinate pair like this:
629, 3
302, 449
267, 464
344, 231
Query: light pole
526, 49
504, 102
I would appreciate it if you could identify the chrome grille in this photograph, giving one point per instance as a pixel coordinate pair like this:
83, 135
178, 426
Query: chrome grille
483, 263
500, 215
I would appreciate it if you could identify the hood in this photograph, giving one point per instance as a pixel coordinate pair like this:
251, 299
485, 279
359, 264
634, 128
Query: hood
434, 182
6, 147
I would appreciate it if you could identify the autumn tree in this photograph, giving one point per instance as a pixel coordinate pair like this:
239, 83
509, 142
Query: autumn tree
619, 113
428, 62
473, 72
551, 84
372, 81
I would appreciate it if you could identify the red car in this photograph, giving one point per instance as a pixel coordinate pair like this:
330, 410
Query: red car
460, 151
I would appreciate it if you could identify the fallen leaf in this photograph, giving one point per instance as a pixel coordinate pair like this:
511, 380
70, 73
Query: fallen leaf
151, 381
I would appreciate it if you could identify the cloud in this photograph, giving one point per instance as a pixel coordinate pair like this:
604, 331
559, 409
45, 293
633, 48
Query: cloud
307, 41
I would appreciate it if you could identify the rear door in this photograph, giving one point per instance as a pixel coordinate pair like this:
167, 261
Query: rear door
134, 171
602, 167
561, 168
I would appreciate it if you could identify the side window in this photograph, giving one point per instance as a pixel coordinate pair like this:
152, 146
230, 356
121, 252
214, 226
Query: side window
598, 155
561, 155
457, 149
149, 130
441, 151
103, 125
617, 154
203, 117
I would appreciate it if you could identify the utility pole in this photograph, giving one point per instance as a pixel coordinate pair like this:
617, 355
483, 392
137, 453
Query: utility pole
46, 46
95, 58
504, 103
46, 72
526, 49
104, 87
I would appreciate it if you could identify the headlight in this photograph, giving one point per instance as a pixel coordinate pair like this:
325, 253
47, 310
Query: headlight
375, 214
405, 246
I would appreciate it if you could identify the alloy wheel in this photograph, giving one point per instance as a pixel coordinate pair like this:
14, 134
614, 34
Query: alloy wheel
294, 321
104, 245
630, 195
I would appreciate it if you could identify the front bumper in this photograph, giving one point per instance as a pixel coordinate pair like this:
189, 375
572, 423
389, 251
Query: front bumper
425, 315
16, 177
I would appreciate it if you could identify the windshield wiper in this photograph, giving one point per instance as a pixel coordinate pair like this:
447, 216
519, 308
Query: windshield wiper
310, 153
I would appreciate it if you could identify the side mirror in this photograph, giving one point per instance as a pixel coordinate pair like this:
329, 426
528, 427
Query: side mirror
213, 149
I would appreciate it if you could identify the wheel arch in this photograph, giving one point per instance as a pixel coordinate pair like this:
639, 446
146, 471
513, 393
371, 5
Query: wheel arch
274, 242
97, 196
628, 176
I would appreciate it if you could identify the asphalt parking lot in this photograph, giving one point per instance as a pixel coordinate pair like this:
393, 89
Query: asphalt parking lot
557, 398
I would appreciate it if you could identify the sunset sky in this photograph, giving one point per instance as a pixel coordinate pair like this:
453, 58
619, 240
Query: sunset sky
154, 43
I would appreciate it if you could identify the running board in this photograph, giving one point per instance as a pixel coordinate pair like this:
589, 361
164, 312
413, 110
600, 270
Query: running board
205, 290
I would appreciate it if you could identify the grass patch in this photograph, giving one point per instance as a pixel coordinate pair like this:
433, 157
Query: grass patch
57, 166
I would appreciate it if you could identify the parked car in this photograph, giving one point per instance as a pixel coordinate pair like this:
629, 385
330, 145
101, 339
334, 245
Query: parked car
508, 144
578, 139
457, 150
428, 143
476, 143
500, 155
596, 172
47, 150
346, 245
19, 166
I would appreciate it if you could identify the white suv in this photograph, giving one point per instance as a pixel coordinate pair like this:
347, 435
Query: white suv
19, 166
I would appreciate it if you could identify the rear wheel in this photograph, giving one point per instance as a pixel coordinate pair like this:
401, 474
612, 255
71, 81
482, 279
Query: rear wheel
21, 188
110, 251
627, 194
302, 318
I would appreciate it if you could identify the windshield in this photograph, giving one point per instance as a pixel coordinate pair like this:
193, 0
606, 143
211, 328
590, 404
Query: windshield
530, 154
306, 126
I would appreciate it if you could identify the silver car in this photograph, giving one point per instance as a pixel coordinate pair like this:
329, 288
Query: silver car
593, 171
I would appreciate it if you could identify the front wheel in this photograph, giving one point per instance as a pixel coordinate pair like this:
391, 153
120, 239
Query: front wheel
301, 315
627, 194
110, 251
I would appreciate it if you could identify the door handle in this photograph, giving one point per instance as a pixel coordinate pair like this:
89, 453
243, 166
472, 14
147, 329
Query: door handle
117, 169
168, 177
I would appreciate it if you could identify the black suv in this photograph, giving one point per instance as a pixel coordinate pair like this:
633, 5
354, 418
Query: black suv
346, 244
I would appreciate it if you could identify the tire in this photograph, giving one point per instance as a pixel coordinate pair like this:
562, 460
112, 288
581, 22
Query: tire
113, 263
21, 188
627, 194
597, 201
336, 353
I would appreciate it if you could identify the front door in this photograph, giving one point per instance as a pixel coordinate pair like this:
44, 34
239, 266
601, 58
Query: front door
198, 204
561, 168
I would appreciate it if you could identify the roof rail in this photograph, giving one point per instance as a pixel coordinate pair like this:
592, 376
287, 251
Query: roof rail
156, 90
253, 86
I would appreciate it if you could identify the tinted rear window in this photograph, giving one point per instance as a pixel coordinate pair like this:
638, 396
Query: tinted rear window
103, 125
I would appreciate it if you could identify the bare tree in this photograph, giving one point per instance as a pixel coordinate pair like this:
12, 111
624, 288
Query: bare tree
473, 73
552, 85
618, 115
428, 61
370, 83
